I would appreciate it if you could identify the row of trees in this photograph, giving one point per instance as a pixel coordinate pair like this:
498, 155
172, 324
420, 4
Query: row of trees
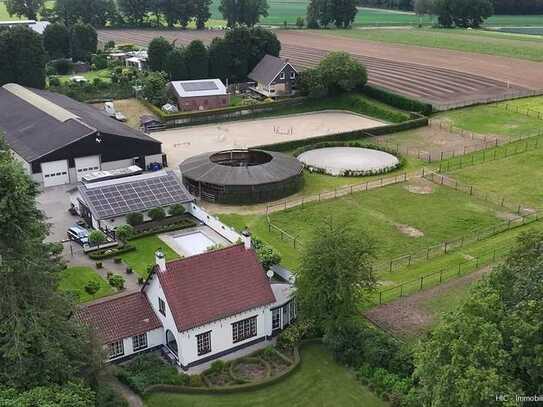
500, 6
322, 13
231, 57
78, 42
140, 12
490, 346
459, 13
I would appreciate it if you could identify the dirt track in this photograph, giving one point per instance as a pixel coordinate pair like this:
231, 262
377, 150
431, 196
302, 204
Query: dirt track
442, 77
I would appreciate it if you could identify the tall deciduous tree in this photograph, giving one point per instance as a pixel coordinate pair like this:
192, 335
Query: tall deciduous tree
24, 8
134, 10
56, 41
219, 59
176, 66
157, 53
492, 344
40, 344
335, 274
201, 13
197, 60
84, 41
321, 13
462, 13
94, 12
243, 12
22, 57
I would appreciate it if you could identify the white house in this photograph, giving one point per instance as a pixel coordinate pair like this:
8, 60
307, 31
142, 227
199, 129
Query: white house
196, 309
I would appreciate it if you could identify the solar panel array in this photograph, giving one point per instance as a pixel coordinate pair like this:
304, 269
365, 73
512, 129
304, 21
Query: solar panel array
136, 196
199, 86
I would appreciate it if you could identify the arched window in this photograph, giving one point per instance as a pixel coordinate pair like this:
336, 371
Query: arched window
171, 342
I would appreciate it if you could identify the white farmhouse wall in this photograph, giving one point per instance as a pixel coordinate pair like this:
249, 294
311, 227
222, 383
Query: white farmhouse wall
221, 334
214, 223
154, 338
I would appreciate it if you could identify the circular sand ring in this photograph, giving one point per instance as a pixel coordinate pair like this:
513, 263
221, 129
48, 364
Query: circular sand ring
351, 161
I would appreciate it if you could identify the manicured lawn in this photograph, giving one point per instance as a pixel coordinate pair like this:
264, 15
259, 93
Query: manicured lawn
481, 42
74, 279
492, 120
515, 178
102, 74
144, 255
384, 214
319, 382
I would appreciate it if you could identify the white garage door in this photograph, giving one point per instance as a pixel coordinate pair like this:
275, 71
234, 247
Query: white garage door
55, 173
86, 164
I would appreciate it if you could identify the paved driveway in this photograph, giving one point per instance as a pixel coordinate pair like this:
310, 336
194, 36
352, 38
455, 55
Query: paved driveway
54, 202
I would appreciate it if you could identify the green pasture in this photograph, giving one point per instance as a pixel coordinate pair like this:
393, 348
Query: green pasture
477, 41
74, 280
492, 120
319, 381
384, 214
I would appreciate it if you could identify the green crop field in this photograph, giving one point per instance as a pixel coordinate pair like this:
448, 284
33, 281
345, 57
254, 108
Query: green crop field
320, 381
482, 42
391, 215
492, 120
74, 279
516, 178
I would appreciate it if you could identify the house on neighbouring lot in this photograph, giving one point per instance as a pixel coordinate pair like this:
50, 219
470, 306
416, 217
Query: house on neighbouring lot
58, 139
274, 77
201, 94
196, 309
105, 204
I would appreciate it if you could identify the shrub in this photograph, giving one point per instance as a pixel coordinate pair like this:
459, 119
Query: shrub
99, 61
116, 281
105, 254
124, 232
117, 260
97, 237
216, 367
92, 287
300, 22
267, 255
129, 270
99, 265
291, 337
109, 45
107, 397
141, 280
149, 369
134, 218
196, 381
54, 81
157, 214
62, 66
176, 210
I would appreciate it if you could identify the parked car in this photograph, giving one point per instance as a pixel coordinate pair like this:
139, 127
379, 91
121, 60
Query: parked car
78, 234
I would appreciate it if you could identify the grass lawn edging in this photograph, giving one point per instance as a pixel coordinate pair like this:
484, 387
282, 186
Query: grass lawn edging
240, 388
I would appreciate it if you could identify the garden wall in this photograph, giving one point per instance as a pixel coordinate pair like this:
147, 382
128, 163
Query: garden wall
215, 224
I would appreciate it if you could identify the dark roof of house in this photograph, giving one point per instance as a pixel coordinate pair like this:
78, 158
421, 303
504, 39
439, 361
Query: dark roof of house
37, 122
214, 285
201, 168
138, 193
120, 317
267, 69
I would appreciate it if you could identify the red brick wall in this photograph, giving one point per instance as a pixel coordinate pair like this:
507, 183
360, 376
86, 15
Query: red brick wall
188, 104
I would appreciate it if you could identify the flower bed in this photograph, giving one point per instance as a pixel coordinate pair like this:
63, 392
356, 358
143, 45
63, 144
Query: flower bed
250, 369
154, 227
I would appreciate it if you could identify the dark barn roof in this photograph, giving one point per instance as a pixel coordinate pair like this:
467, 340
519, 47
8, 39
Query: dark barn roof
201, 168
37, 122
117, 197
267, 69
215, 285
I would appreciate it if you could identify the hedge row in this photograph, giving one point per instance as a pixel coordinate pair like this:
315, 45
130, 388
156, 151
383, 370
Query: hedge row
415, 122
110, 252
398, 101
183, 224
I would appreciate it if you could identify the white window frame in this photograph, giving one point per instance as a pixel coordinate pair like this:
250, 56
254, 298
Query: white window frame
139, 342
203, 343
244, 329
293, 75
282, 75
115, 349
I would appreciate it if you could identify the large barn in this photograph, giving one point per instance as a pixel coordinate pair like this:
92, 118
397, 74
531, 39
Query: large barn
58, 139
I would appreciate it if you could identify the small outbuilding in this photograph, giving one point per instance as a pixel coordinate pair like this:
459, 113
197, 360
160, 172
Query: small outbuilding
201, 94
274, 77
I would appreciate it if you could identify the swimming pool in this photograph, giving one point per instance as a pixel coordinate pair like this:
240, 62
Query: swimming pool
193, 243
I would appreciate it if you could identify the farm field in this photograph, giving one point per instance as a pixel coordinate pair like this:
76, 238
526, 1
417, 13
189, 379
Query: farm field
421, 73
481, 42
398, 229
495, 121
514, 178
320, 381
74, 279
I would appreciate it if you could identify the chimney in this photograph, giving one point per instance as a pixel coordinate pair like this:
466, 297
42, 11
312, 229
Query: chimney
160, 260
246, 236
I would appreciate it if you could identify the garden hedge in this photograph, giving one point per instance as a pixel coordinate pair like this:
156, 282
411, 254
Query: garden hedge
110, 252
398, 101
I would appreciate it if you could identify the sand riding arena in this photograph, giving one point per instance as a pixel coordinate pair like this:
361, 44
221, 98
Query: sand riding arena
182, 143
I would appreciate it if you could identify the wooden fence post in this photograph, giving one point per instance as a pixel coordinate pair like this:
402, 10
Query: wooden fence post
421, 281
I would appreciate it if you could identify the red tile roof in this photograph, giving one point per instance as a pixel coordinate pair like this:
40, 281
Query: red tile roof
120, 317
211, 286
